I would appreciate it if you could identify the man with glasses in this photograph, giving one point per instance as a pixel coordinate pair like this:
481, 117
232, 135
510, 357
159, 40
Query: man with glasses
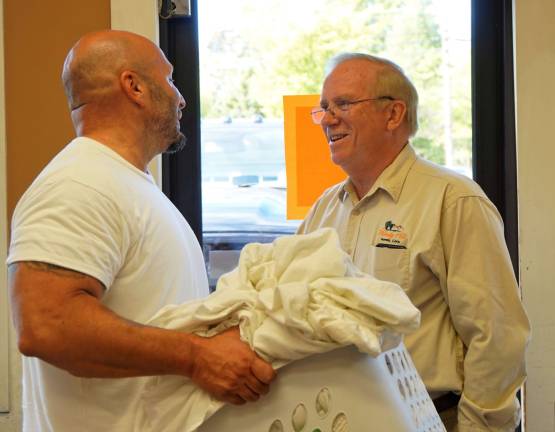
433, 232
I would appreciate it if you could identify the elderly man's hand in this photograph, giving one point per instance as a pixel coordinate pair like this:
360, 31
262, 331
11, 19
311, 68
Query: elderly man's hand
228, 369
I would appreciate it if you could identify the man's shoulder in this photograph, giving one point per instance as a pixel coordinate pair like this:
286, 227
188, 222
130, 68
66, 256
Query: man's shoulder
82, 177
333, 192
454, 184
93, 167
84, 157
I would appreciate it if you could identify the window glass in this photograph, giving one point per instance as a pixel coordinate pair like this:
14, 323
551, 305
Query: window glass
254, 52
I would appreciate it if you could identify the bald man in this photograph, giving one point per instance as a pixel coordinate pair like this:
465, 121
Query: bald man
97, 249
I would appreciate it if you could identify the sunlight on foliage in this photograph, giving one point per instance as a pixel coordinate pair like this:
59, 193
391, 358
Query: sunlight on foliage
282, 46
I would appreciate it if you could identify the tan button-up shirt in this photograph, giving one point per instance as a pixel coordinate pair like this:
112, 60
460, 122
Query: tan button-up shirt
437, 235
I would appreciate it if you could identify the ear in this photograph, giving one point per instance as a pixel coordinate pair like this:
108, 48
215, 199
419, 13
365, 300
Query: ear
133, 87
397, 110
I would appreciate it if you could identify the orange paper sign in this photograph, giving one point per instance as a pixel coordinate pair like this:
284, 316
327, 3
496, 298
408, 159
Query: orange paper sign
309, 168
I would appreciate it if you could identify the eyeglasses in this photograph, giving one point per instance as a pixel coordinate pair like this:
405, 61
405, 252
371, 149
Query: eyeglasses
344, 105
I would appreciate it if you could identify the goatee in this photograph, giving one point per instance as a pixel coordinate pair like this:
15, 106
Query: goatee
177, 145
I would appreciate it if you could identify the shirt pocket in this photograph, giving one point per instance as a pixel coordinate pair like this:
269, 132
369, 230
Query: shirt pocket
390, 265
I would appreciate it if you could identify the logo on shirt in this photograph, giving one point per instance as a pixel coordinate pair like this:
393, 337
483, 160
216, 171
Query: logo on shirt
390, 226
392, 236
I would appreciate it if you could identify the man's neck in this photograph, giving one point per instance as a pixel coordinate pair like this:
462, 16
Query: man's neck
126, 143
128, 150
362, 185
364, 175
119, 133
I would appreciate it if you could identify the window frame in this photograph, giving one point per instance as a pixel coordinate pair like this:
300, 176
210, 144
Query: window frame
181, 171
493, 111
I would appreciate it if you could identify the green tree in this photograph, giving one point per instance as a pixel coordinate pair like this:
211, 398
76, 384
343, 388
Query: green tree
249, 69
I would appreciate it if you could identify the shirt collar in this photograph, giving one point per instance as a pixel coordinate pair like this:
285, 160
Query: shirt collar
391, 180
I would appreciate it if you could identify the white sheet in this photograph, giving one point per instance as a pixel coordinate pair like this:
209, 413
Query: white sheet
298, 296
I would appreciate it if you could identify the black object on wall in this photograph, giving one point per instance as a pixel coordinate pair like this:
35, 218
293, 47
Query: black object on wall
181, 172
493, 111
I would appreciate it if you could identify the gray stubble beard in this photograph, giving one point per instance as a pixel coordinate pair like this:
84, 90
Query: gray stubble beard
178, 144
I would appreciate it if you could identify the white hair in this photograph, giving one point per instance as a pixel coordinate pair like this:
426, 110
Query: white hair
390, 81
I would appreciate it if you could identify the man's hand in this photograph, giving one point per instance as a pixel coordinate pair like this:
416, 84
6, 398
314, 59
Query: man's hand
228, 369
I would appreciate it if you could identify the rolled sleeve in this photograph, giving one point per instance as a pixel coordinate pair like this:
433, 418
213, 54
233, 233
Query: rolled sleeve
71, 225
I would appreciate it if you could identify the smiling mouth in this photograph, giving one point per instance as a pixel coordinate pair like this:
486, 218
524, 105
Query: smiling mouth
336, 137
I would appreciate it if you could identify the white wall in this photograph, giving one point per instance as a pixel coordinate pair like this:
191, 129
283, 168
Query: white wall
535, 91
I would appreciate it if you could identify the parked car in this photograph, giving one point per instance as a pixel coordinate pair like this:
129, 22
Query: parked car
243, 190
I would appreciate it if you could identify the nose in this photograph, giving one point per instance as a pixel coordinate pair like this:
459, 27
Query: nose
182, 103
329, 118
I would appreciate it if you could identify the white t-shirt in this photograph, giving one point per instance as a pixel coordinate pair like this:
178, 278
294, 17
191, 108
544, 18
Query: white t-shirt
91, 211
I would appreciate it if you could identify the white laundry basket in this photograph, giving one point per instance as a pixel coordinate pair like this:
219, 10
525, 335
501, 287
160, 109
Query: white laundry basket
339, 391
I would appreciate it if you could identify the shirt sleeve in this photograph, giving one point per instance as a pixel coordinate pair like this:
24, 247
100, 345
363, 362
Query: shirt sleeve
311, 221
303, 227
71, 225
487, 313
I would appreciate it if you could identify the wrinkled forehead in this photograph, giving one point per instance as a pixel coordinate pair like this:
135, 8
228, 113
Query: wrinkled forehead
352, 78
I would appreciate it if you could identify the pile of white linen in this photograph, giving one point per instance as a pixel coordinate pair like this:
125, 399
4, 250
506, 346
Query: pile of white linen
298, 296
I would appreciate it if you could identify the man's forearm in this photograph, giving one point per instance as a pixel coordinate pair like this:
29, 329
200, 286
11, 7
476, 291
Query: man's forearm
60, 319
89, 340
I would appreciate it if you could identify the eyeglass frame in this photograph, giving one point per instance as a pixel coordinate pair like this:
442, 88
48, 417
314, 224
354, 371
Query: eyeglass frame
342, 106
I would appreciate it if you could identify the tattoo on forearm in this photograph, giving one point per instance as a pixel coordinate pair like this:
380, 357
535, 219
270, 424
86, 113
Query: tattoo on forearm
52, 268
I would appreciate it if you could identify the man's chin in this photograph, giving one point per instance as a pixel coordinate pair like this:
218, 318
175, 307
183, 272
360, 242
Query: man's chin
337, 157
177, 145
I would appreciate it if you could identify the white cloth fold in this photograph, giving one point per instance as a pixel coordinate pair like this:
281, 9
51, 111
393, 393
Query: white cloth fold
298, 296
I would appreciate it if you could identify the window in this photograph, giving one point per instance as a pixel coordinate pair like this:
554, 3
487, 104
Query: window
247, 58
250, 58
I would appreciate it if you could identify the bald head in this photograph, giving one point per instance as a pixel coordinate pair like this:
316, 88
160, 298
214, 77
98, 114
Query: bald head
92, 67
121, 93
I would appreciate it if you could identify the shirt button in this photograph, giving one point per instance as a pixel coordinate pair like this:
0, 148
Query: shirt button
355, 212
